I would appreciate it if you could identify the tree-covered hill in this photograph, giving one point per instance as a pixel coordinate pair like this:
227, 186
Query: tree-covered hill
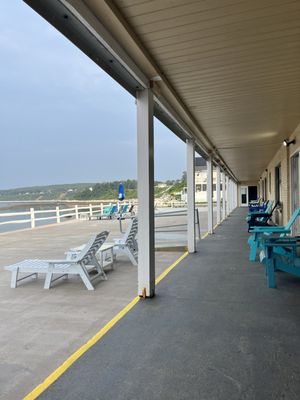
90, 191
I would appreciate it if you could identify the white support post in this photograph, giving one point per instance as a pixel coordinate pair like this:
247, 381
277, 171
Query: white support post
91, 210
210, 195
226, 195
145, 172
190, 175
57, 214
218, 186
229, 195
223, 196
76, 212
32, 218
101, 208
235, 195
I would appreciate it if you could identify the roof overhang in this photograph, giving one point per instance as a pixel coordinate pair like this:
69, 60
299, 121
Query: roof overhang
227, 77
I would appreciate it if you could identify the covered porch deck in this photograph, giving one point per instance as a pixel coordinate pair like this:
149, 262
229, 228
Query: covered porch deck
213, 331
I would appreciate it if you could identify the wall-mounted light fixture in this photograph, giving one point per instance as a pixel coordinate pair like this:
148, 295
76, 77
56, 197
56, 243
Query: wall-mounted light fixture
286, 142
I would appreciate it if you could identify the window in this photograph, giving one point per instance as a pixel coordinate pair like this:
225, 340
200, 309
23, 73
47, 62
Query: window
214, 187
204, 187
198, 188
278, 194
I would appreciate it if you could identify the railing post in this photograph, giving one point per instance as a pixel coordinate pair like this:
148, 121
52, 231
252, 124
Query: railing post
32, 218
76, 212
145, 164
57, 215
101, 207
91, 210
190, 175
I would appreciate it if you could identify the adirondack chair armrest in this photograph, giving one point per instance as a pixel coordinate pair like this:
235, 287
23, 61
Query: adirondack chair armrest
259, 215
269, 229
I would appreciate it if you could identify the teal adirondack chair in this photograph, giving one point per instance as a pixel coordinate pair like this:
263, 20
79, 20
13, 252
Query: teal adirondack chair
260, 233
281, 254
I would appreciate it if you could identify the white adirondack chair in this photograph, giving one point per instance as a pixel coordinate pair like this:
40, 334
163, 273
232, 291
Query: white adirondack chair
82, 265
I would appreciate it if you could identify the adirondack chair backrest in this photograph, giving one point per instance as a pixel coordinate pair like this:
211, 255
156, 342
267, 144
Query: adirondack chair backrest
293, 218
92, 247
269, 207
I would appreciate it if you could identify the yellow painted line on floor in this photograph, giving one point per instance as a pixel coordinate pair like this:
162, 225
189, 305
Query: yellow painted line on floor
166, 271
84, 348
204, 236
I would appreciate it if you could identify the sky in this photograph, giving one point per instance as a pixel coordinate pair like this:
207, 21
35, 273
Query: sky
62, 118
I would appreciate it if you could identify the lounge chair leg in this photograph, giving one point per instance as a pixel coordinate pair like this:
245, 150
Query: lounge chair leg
131, 257
14, 278
48, 280
86, 281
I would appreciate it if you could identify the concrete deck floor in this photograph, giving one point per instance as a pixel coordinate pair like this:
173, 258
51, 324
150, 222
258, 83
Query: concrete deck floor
213, 332
39, 329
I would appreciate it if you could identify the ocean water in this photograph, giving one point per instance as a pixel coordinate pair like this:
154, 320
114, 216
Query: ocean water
15, 207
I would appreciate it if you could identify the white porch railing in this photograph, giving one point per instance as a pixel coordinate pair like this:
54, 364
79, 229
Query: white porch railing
56, 214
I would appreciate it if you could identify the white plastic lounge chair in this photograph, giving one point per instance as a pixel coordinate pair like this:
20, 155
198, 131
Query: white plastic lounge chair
82, 265
128, 243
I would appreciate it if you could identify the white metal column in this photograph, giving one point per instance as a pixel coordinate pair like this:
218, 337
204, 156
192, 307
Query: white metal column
218, 187
190, 172
230, 195
210, 195
226, 195
145, 161
223, 196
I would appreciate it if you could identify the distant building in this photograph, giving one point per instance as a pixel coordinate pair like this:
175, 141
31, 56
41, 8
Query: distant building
201, 182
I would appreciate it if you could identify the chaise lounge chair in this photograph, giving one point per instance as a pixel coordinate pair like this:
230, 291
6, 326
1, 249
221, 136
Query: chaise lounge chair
82, 265
127, 244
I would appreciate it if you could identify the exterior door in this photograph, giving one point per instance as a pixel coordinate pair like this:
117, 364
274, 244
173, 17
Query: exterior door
295, 190
244, 196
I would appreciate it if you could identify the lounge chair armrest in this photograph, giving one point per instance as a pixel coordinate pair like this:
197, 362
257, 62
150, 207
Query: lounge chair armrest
61, 261
118, 241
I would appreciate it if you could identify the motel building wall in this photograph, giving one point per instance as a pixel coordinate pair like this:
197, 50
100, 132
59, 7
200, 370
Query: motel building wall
279, 181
